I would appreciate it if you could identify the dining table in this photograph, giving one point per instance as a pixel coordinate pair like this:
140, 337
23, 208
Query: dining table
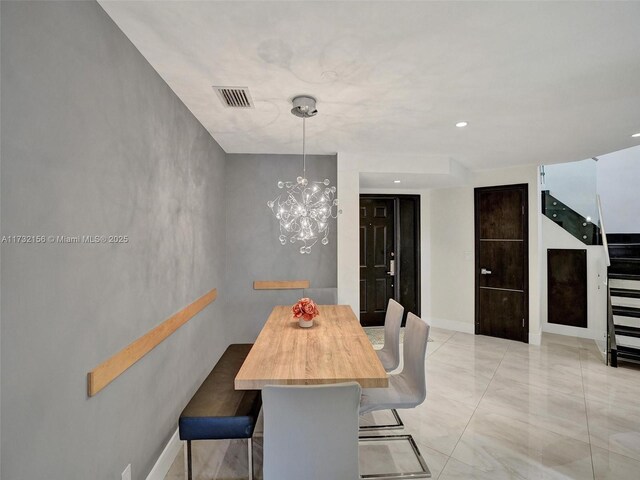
335, 349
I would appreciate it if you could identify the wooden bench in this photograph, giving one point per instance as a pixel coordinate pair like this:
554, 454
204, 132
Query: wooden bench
219, 412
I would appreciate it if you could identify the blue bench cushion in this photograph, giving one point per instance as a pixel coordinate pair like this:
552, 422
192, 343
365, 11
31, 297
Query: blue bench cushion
217, 410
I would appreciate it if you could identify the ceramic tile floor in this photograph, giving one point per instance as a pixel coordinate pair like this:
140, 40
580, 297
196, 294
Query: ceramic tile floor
497, 409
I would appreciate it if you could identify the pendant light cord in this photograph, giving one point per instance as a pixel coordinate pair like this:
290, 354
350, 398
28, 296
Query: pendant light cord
304, 159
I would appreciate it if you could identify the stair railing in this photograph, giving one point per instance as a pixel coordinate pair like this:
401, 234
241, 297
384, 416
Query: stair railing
603, 232
582, 228
612, 349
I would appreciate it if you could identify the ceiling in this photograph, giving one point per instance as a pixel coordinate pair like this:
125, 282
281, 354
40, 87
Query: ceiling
538, 82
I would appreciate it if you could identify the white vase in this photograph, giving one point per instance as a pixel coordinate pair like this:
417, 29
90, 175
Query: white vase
305, 323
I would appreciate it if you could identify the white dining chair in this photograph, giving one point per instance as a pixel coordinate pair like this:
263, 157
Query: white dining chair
389, 356
407, 389
311, 431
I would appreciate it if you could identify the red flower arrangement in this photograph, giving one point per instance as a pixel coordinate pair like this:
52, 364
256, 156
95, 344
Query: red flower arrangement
305, 309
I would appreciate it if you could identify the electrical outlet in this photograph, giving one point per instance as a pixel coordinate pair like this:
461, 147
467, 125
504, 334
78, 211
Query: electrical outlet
126, 475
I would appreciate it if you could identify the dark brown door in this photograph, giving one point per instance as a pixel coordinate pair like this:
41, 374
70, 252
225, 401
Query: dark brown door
502, 262
377, 242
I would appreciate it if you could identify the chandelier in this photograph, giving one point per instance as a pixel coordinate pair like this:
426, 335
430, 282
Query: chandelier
305, 207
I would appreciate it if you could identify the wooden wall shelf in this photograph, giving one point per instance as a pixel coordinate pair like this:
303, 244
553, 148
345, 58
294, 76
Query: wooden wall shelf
280, 284
110, 369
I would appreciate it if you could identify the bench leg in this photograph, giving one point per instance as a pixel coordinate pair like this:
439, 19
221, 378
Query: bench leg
187, 455
184, 459
187, 459
250, 456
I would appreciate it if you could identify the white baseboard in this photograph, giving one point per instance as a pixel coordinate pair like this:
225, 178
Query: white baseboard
602, 348
535, 338
466, 327
573, 331
166, 458
455, 325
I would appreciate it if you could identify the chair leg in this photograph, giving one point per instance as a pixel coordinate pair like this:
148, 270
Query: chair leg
250, 457
393, 426
424, 473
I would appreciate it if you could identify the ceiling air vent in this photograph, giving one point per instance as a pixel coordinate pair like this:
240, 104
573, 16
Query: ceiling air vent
234, 97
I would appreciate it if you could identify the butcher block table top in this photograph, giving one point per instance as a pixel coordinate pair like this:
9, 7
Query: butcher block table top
336, 349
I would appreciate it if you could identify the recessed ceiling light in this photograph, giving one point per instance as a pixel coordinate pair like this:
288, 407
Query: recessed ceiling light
461, 124
396, 181
636, 135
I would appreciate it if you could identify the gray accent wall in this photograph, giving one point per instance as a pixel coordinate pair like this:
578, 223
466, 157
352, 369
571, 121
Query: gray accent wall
253, 249
95, 143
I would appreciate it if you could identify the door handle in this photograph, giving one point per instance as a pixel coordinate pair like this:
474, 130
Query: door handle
484, 271
392, 268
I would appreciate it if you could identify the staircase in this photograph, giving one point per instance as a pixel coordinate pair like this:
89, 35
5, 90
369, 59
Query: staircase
624, 288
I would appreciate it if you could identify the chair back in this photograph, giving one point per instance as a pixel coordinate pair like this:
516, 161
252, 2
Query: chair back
311, 431
416, 336
322, 296
392, 323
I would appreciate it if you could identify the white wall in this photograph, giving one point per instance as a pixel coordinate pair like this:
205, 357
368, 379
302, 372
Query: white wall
554, 236
348, 233
452, 258
618, 186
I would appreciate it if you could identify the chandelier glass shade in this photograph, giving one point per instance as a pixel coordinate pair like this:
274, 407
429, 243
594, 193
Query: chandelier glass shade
304, 208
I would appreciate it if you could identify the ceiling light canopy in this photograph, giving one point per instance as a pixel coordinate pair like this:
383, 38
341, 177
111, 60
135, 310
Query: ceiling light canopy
305, 208
304, 106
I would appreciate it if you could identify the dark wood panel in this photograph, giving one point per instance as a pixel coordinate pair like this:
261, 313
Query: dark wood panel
381, 293
567, 287
503, 313
363, 295
380, 245
380, 211
501, 213
408, 254
505, 262
363, 246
